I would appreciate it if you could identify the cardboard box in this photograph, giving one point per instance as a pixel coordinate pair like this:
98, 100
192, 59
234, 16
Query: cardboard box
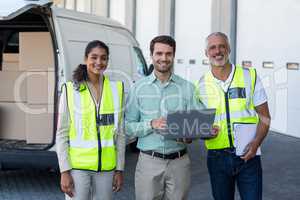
12, 123
36, 51
10, 66
11, 57
40, 87
13, 86
21, 121
10, 62
39, 124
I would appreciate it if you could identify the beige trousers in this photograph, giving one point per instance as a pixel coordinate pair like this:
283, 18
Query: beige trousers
90, 185
159, 179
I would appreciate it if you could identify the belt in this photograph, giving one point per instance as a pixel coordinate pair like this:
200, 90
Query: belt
170, 156
225, 150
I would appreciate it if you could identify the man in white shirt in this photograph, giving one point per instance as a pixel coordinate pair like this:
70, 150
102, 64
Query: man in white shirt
239, 98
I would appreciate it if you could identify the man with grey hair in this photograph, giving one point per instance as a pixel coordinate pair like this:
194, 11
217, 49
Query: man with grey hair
242, 114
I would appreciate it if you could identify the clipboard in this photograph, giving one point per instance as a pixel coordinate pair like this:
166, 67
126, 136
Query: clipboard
244, 133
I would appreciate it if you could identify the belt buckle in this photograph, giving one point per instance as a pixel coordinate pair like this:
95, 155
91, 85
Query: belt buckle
233, 150
152, 154
230, 150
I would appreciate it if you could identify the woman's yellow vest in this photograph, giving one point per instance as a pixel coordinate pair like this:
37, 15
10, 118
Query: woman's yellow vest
91, 134
234, 106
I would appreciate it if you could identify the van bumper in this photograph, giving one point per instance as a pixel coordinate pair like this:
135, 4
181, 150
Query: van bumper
28, 160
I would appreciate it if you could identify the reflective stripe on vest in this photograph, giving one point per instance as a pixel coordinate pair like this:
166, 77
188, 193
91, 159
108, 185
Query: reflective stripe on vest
240, 104
91, 139
114, 89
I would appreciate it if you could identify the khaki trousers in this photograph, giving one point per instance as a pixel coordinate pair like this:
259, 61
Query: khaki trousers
90, 185
157, 179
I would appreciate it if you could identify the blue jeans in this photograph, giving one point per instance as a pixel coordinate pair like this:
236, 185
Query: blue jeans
226, 169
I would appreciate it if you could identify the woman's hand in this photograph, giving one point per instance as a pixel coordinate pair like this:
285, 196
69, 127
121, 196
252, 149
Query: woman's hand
67, 184
117, 181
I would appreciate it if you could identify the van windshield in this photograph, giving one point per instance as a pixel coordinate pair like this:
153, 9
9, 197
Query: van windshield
141, 63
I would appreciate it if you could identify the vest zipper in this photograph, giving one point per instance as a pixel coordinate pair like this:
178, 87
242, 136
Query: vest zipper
98, 121
99, 139
228, 119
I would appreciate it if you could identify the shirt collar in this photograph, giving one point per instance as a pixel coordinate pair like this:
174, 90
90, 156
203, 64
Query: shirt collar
152, 78
231, 74
228, 80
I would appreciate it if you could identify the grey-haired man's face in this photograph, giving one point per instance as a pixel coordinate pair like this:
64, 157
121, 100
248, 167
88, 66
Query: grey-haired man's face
217, 51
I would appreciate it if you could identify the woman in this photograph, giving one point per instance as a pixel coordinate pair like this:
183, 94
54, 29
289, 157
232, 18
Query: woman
90, 139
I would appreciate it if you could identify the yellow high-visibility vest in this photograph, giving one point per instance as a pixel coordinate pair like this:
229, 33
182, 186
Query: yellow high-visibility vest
234, 106
91, 134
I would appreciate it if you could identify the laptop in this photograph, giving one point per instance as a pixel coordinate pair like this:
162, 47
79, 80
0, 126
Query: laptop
190, 124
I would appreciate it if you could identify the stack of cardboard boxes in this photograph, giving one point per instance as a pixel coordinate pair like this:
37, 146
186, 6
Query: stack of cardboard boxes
13, 93
27, 89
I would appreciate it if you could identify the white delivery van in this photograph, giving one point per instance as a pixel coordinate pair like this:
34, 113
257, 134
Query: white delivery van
41, 45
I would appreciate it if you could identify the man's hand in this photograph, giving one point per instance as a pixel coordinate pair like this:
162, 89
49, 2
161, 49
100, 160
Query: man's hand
117, 181
215, 130
160, 123
250, 151
67, 184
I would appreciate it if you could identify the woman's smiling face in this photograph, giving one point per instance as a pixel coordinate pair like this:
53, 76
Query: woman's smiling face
97, 61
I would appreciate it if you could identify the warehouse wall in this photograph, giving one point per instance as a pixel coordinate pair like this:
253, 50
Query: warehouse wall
259, 31
267, 32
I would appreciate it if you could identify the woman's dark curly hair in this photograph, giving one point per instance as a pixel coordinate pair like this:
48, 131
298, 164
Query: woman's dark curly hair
80, 73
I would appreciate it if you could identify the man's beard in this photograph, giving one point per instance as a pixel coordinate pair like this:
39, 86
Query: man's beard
219, 63
169, 68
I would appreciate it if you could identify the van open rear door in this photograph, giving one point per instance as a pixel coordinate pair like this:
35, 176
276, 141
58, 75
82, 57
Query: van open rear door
12, 8
27, 75
27, 84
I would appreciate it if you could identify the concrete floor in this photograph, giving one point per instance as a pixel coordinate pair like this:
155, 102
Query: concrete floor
281, 161
281, 170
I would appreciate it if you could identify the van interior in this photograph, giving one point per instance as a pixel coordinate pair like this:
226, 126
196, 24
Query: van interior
27, 82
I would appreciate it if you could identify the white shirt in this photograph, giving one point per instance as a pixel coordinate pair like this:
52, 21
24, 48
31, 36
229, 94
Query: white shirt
259, 96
